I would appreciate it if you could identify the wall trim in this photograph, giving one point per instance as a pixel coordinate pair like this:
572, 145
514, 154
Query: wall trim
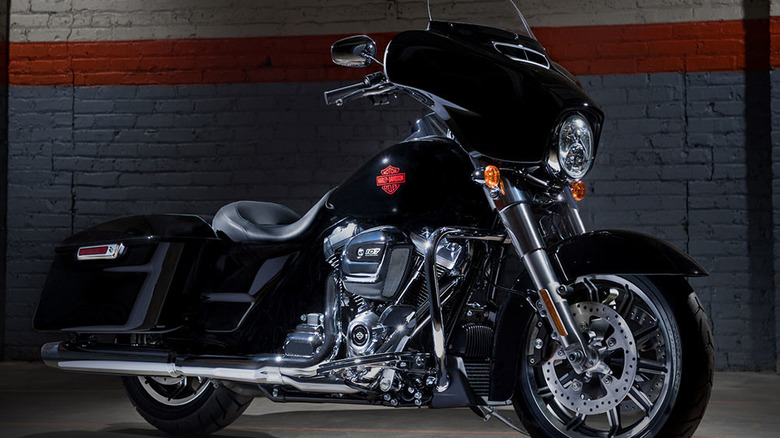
711, 46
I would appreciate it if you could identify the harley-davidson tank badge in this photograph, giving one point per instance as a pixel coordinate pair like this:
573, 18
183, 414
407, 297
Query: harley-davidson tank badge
390, 179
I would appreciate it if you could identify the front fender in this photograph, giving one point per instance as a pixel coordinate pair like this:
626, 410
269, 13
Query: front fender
597, 252
620, 252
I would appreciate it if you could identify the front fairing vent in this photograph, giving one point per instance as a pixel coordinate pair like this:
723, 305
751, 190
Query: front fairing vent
521, 53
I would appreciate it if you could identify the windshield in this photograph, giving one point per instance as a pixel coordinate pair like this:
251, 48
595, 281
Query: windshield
501, 14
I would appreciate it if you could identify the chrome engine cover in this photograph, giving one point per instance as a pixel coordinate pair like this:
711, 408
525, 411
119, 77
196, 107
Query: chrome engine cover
369, 333
361, 339
376, 263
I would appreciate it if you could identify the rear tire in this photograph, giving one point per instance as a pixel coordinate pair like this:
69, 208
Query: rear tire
186, 406
682, 348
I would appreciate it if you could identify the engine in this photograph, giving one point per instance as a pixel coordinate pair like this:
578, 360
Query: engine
385, 292
384, 302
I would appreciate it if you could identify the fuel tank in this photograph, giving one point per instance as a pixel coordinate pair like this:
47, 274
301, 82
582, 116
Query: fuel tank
423, 182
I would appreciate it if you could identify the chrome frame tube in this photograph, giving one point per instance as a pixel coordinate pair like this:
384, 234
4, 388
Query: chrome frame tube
434, 298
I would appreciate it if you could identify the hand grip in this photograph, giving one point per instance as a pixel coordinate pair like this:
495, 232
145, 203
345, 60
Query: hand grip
340, 95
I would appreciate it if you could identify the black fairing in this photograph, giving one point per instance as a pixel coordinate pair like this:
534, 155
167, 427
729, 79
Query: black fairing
437, 189
496, 106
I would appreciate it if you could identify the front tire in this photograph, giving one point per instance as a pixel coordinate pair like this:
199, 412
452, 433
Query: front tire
185, 406
661, 368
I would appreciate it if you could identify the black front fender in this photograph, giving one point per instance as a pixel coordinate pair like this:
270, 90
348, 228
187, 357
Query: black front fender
598, 252
620, 252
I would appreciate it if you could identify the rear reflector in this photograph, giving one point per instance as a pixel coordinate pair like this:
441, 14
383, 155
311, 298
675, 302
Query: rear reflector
100, 252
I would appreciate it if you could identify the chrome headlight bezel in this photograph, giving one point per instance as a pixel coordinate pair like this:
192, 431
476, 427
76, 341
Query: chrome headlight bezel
573, 149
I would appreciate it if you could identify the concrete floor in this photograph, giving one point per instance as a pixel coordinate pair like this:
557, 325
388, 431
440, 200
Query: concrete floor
43, 403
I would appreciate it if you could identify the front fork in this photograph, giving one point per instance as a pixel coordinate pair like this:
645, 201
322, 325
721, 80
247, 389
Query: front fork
514, 208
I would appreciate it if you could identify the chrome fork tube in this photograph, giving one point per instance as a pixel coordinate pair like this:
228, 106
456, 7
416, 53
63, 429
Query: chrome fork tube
571, 213
523, 230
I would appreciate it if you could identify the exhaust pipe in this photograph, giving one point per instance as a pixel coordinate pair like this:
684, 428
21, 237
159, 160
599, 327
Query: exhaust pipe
298, 372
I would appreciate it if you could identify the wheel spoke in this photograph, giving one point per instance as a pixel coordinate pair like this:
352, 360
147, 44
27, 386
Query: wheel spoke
575, 422
613, 416
626, 304
648, 366
178, 389
641, 399
544, 392
645, 334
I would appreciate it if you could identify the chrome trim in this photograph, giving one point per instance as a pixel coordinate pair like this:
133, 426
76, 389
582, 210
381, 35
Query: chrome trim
434, 298
358, 361
521, 226
160, 398
546, 65
444, 301
113, 251
489, 412
133, 363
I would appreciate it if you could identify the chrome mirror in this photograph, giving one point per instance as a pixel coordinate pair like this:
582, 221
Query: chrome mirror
354, 51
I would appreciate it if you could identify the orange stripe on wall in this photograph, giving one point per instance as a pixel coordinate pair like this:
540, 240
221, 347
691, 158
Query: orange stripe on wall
588, 50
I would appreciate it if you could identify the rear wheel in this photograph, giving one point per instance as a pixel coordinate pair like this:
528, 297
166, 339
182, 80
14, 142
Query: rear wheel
185, 406
656, 343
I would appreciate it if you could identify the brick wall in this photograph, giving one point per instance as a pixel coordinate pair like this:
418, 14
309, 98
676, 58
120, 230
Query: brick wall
84, 155
674, 163
125, 107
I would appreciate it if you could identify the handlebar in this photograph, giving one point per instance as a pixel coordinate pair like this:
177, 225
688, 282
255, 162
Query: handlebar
340, 95
371, 85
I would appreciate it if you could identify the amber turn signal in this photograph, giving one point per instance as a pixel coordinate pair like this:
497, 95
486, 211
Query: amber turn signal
492, 177
578, 191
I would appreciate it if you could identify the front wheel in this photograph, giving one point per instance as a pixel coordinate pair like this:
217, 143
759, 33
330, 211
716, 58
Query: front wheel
185, 406
655, 340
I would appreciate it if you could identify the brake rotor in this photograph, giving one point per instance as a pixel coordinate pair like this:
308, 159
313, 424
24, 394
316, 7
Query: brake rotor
597, 392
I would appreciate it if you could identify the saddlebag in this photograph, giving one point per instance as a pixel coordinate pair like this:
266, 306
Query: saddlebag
116, 277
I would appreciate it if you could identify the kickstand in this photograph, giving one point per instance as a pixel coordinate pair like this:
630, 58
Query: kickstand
486, 412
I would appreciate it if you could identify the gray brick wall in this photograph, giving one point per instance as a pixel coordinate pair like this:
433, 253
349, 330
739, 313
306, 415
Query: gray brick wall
80, 156
673, 163
775, 76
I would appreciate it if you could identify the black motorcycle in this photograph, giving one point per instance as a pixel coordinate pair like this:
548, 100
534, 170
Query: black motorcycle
451, 270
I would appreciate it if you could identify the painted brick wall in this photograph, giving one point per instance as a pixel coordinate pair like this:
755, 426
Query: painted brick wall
112, 151
678, 159
84, 155
90, 20
674, 163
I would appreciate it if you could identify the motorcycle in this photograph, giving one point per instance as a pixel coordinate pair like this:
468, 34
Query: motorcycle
453, 269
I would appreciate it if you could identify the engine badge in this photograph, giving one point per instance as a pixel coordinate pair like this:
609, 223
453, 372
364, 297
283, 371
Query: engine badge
390, 179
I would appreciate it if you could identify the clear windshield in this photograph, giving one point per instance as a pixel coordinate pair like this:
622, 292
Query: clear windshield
501, 14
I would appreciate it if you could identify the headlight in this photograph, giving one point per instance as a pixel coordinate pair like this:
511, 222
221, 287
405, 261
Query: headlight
573, 157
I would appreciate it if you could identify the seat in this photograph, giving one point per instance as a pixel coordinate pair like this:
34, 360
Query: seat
259, 222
